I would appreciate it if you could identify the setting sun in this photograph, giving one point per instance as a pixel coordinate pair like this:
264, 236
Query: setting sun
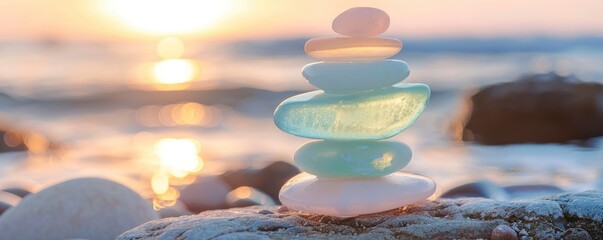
169, 17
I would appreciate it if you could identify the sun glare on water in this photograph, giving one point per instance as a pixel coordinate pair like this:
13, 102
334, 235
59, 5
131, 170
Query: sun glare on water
169, 16
180, 156
179, 164
172, 71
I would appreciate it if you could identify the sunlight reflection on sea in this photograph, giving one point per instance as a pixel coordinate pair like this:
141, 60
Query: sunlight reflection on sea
91, 99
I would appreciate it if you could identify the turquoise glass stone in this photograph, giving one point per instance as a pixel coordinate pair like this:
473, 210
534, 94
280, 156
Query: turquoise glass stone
345, 77
352, 159
371, 115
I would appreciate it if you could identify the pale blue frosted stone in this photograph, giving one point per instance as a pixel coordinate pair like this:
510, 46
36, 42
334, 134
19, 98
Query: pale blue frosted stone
342, 77
370, 115
352, 159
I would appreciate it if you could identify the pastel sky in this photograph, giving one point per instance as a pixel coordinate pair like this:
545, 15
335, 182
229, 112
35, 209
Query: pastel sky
239, 19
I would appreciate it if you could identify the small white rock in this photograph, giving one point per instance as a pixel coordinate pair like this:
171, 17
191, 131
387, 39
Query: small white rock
341, 197
90, 208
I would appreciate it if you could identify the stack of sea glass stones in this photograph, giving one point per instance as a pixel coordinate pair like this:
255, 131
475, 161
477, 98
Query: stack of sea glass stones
350, 172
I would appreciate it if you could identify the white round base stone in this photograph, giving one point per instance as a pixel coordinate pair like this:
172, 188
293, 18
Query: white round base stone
356, 196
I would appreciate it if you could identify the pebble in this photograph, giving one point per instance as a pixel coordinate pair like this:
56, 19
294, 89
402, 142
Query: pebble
503, 232
346, 77
482, 188
242, 177
91, 208
487, 189
176, 210
4, 206
17, 191
531, 191
273, 176
576, 234
352, 49
350, 159
282, 209
373, 115
354, 196
247, 196
8, 200
265, 212
206, 193
268, 179
361, 22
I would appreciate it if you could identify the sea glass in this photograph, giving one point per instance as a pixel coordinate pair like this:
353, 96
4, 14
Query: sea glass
356, 196
352, 159
360, 101
352, 48
361, 22
343, 77
371, 115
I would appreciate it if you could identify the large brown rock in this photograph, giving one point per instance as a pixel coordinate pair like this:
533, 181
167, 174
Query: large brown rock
554, 217
543, 108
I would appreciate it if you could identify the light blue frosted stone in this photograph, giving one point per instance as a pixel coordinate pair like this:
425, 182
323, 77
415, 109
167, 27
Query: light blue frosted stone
371, 115
352, 159
344, 77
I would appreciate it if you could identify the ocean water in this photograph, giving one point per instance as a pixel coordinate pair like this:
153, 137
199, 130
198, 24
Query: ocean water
98, 101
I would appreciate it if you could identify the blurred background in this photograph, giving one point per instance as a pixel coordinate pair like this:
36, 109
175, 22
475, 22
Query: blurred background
175, 98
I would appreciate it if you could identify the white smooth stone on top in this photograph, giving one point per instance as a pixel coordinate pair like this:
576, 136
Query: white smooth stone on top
356, 196
361, 22
343, 77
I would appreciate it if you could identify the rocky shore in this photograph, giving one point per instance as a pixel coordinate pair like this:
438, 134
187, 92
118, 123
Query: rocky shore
564, 216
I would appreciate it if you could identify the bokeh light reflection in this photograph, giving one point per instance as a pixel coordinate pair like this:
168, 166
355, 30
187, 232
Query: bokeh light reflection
36, 143
166, 199
179, 163
180, 156
172, 71
12, 139
245, 196
181, 114
160, 183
